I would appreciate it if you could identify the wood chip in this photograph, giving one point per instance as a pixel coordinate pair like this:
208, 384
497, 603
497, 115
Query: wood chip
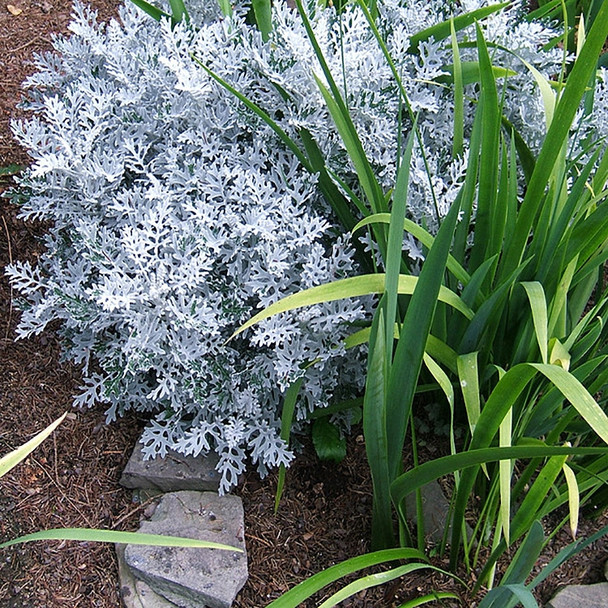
13, 10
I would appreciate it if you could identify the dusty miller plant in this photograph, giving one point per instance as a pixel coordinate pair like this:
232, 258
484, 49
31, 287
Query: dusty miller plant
176, 212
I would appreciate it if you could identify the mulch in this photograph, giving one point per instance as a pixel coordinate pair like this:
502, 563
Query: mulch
72, 479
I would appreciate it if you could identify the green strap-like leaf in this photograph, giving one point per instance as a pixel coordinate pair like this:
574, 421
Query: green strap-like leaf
330, 190
468, 374
341, 117
414, 335
179, 11
10, 460
225, 7
503, 398
263, 17
281, 134
508, 596
352, 143
574, 499
371, 20
429, 471
528, 511
483, 247
443, 380
538, 305
395, 245
505, 471
526, 556
362, 285
559, 309
487, 316
289, 406
442, 353
548, 95
470, 73
458, 77
419, 233
373, 580
578, 396
311, 585
151, 10
374, 429
111, 536
565, 554
536, 495
441, 31
436, 596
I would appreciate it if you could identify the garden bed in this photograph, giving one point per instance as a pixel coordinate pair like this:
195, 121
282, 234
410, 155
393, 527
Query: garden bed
72, 480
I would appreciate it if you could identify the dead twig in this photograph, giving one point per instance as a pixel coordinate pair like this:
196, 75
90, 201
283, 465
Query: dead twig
128, 514
29, 43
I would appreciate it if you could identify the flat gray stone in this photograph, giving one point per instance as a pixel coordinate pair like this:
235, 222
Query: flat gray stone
172, 473
193, 578
135, 593
581, 596
435, 508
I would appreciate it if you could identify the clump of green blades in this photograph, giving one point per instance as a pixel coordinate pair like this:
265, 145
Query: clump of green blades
510, 328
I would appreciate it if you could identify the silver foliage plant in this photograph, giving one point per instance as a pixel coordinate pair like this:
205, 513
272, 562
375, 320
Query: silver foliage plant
176, 213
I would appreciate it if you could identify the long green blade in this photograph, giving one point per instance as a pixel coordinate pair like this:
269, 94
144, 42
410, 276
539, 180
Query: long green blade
458, 143
374, 429
468, 374
538, 304
437, 596
330, 190
525, 559
565, 554
443, 380
372, 580
263, 17
414, 334
10, 460
419, 233
509, 596
483, 247
111, 536
282, 135
362, 285
505, 472
528, 512
429, 471
341, 117
151, 10
395, 243
353, 145
578, 396
289, 406
179, 11
536, 495
310, 586
441, 31
502, 399
574, 499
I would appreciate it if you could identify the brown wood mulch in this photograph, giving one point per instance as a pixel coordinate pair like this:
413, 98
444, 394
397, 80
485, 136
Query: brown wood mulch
72, 479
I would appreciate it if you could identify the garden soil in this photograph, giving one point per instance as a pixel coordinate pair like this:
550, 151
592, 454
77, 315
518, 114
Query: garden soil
72, 479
